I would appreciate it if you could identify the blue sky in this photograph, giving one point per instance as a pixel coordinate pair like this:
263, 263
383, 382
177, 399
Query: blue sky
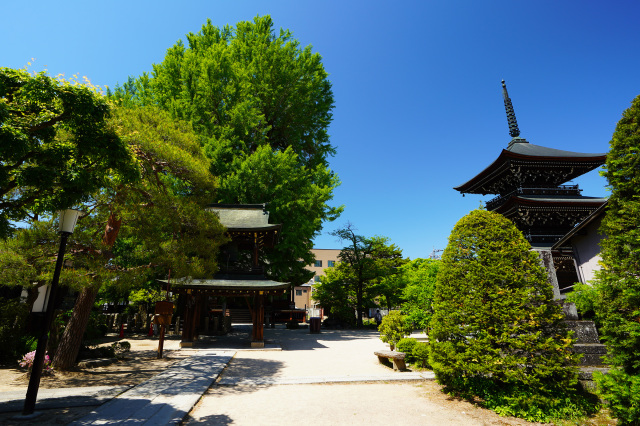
416, 83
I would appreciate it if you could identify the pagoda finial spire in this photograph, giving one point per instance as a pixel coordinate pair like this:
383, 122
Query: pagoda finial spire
511, 115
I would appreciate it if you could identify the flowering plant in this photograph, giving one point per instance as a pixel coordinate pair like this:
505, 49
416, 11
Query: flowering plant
27, 361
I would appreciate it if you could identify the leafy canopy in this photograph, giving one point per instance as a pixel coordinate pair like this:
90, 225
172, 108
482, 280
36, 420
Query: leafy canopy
356, 280
419, 278
55, 147
161, 219
262, 105
618, 282
243, 87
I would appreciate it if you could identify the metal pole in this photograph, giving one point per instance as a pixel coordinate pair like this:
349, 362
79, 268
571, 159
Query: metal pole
38, 360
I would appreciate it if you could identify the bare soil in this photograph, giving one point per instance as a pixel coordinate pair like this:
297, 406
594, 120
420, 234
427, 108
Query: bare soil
134, 367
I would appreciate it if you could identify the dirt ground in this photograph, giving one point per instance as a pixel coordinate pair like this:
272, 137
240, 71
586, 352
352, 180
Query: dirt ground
136, 366
141, 363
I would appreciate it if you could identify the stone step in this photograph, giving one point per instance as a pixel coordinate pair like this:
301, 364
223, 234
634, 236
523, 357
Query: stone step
592, 353
584, 331
585, 376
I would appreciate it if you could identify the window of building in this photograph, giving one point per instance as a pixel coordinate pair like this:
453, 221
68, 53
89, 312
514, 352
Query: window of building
317, 278
331, 263
298, 292
318, 264
304, 291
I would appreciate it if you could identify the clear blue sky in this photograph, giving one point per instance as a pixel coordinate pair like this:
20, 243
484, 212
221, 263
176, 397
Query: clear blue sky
416, 83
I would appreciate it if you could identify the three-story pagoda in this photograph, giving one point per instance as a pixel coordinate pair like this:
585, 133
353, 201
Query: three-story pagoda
530, 182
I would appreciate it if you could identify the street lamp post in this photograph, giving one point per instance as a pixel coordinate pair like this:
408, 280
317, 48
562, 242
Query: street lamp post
68, 219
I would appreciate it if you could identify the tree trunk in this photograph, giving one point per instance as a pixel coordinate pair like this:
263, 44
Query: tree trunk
71, 340
72, 337
359, 305
111, 230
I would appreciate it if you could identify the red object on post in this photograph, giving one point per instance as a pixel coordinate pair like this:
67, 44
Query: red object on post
150, 330
121, 330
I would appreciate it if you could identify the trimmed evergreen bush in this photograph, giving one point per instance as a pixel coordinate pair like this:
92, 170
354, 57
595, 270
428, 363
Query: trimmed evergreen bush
394, 327
406, 345
618, 283
496, 332
420, 354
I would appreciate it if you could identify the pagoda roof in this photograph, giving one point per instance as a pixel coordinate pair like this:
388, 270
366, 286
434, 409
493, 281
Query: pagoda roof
227, 286
546, 166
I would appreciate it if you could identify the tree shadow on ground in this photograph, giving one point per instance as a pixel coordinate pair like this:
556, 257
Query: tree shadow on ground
243, 368
280, 337
301, 339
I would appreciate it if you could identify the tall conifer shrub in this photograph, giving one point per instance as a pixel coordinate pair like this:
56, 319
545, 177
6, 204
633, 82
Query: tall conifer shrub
496, 332
618, 283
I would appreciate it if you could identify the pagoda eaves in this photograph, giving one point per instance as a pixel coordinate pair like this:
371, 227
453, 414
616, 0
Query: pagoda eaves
526, 164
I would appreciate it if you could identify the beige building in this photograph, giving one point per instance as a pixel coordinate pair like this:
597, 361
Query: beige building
303, 294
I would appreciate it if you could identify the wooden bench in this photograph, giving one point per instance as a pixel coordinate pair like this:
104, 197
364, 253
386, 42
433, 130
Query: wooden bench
397, 358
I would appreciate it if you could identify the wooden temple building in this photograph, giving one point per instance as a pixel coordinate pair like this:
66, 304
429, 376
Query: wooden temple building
241, 276
530, 184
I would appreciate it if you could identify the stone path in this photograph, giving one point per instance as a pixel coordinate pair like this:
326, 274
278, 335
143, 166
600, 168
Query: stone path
61, 397
166, 398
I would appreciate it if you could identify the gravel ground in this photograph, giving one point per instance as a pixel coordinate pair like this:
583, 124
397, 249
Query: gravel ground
333, 353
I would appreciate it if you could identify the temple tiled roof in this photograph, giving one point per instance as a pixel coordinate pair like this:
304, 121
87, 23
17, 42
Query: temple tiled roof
526, 164
229, 287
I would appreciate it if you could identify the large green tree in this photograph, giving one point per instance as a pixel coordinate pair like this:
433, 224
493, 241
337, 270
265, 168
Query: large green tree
263, 105
161, 218
496, 332
356, 280
55, 147
133, 232
618, 282
419, 278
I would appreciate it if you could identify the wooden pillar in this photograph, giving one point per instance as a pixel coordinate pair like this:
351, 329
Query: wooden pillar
189, 317
197, 317
257, 338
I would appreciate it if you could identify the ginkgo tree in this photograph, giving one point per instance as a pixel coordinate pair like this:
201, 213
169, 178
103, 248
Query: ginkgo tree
263, 105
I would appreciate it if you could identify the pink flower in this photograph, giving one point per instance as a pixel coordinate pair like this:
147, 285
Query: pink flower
27, 361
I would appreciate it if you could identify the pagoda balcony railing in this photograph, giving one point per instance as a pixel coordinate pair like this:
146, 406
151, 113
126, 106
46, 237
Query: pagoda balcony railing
542, 238
554, 190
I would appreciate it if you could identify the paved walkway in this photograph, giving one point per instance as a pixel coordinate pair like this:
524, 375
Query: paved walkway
166, 398
291, 357
329, 378
61, 397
